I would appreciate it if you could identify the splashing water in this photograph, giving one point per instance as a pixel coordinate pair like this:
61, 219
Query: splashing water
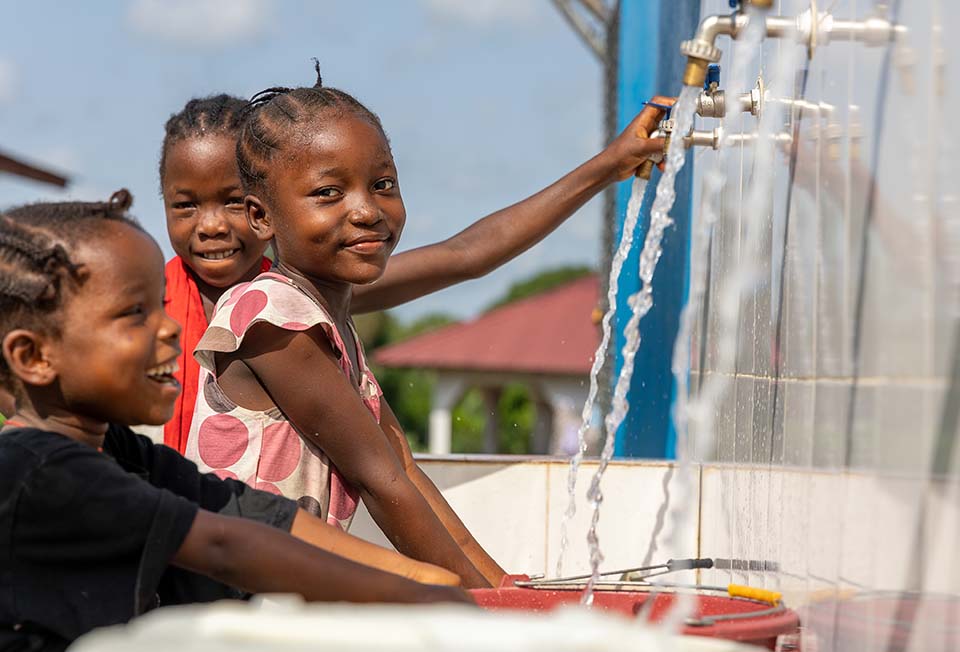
701, 411
613, 287
640, 304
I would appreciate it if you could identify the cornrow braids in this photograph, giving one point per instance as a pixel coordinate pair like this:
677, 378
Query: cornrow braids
35, 244
272, 120
202, 116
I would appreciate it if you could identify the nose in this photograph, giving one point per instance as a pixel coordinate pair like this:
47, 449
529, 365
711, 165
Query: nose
169, 331
212, 223
365, 212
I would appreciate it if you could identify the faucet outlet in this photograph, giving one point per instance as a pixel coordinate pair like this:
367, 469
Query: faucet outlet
645, 171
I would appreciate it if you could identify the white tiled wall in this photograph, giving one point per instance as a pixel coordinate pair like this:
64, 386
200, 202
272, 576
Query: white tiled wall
782, 493
515, 510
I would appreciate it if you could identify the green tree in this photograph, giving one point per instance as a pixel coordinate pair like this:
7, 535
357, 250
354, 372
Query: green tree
541, 282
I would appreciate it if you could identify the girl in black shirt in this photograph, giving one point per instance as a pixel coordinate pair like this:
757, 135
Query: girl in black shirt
90, 522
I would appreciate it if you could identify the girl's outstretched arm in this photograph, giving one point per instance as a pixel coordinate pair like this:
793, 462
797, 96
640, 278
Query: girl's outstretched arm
290, 366
321, 534
261, 559
501, 236
471, 548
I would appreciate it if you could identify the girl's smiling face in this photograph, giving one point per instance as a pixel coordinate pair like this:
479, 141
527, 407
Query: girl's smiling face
203, 201
333, 206
117, 347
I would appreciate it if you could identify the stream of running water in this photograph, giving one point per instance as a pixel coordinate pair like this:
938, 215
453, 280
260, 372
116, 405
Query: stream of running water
586, 417
640, 304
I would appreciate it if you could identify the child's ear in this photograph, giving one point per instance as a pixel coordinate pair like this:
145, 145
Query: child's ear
258, 218
26, 354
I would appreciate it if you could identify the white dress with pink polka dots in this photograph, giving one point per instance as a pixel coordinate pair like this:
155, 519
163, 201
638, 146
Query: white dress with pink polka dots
262, 448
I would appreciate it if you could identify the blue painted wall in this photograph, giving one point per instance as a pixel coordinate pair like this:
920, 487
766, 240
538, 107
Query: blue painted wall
651, 64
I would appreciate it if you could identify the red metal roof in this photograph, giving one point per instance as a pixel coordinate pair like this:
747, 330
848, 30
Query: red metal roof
550, 333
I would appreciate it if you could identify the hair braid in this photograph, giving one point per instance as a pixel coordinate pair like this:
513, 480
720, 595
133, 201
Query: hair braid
273, 118
214, 115
35, 244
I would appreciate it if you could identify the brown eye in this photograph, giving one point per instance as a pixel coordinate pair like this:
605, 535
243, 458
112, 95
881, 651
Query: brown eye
327, 192
385, 184
136, 311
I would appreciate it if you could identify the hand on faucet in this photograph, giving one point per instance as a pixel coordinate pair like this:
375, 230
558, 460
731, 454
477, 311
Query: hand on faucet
634, 146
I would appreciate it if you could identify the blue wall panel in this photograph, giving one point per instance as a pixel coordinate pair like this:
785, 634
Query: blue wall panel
651, 64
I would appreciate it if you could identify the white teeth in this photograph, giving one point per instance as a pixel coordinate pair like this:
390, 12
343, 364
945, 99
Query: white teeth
219, 255
164, 370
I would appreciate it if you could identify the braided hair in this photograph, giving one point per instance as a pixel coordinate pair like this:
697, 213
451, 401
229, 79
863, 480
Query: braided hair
203, 116
274, 117
35, 244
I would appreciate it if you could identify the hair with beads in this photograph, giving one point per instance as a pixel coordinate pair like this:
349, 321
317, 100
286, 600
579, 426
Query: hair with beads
203, 116
274, 118
35, 245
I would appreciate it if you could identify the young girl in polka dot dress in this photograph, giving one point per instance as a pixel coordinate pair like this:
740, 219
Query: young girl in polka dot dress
288, 403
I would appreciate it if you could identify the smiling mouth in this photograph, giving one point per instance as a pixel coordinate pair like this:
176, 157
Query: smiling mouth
217, 255
368, 245
163, 373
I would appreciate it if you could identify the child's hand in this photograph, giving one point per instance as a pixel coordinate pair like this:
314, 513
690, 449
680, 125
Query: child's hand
634, 146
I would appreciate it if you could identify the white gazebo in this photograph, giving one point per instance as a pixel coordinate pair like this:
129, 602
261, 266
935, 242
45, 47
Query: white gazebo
546, 342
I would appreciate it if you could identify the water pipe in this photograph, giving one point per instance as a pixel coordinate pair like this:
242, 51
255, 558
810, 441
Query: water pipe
810, 27
714, 138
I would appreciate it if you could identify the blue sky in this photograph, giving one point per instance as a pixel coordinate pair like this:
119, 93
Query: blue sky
485, 101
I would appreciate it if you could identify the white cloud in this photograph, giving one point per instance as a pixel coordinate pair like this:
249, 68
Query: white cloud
8, 81
484, 12
200, 23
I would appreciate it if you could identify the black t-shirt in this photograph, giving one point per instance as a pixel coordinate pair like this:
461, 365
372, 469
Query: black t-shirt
86, 538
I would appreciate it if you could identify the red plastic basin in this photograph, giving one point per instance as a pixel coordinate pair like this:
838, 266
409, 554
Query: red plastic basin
759, 630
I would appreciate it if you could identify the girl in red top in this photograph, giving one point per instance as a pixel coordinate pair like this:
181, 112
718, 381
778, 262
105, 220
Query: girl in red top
203, 200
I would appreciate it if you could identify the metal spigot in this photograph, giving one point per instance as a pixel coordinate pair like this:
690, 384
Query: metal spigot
701, 50
810, 28
645, 170
663, 130
710, 103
